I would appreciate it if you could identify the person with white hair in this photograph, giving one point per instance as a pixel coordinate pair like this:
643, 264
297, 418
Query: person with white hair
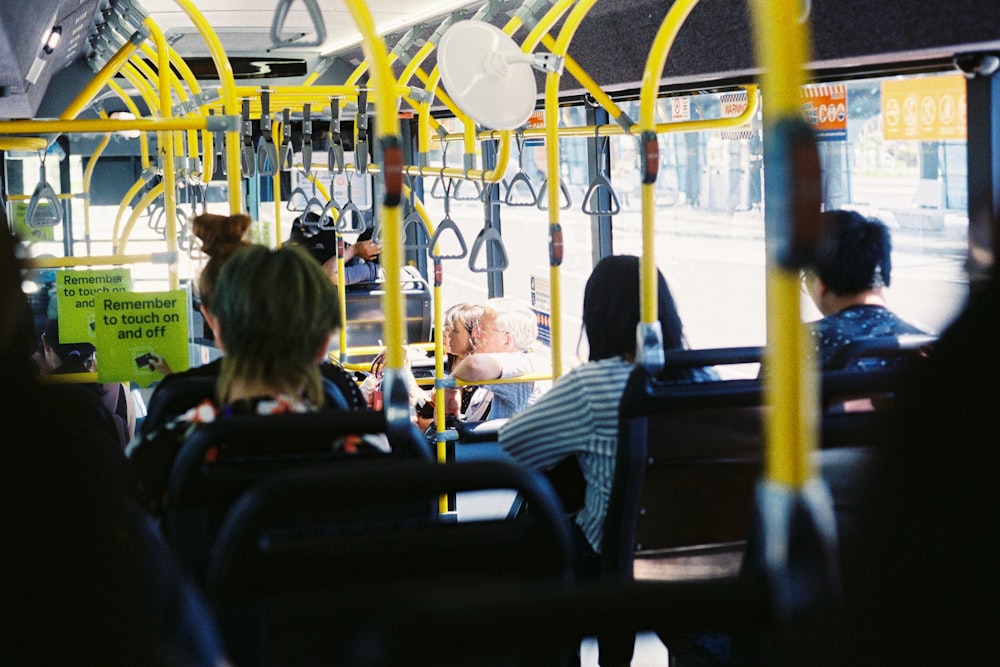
503, 337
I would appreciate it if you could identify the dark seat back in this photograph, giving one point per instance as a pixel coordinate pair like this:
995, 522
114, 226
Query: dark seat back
880, 352
705, 444
306, 554
222, 459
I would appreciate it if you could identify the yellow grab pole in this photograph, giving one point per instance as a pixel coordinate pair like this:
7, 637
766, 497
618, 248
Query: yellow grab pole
231, 103
134, 110
782, 49
88, 175
167, 149
561, 46
116, 242
145, 201
85, 96
671, 25
387, 125
276, 184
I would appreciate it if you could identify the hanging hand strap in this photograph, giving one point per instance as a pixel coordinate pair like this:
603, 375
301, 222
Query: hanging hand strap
335, 154
247, 154
286, 160
267, 152
596, 202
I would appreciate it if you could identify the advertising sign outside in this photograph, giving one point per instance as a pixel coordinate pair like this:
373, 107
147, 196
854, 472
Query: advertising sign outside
540, 306
825, 107
929, 108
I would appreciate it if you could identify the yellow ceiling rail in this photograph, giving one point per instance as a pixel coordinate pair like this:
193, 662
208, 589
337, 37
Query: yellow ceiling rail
98, 126
94, 86
61, 195
178, 86
97, 260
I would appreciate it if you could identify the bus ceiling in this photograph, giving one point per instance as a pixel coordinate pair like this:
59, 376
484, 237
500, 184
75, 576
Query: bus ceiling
62, 41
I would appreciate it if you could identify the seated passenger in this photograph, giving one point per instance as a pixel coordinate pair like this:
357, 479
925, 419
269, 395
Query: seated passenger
274, 312
853, 266
222, 236
459, 325
86, 580
360, 261
579, 416
506, 331
360, 258
65, 357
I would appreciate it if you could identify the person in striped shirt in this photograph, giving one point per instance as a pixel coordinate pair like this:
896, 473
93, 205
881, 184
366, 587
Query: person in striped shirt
578, 417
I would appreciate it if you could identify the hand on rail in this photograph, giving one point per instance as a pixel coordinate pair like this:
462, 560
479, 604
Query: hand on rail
367, 250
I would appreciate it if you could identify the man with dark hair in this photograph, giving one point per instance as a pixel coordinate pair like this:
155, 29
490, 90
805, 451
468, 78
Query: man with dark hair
360, 258
853, 265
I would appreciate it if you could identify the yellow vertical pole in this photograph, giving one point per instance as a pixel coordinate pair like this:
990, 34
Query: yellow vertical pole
782, 48
167, 151
560, 48
662, 43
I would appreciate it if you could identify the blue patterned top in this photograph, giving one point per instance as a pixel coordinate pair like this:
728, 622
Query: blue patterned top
854, 323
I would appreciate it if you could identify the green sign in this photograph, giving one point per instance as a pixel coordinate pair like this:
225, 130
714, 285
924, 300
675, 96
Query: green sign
18, 209
76, 292
135, 330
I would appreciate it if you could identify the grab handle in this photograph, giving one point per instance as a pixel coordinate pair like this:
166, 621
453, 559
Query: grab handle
488, 236
328, 219
543, 202
512, 198
50, 212
278, 25
351, 220
445, 226
597, 186
286, 160
414, 220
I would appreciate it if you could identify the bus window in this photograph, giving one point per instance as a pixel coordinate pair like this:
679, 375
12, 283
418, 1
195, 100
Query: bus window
710, 226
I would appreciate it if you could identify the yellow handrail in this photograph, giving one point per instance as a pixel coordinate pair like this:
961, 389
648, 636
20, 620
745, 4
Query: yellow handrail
664, 39
560, 48
23, 144
167, 149
134, 110
231, 103
144, 202
85, 96
88, 174
96, 260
